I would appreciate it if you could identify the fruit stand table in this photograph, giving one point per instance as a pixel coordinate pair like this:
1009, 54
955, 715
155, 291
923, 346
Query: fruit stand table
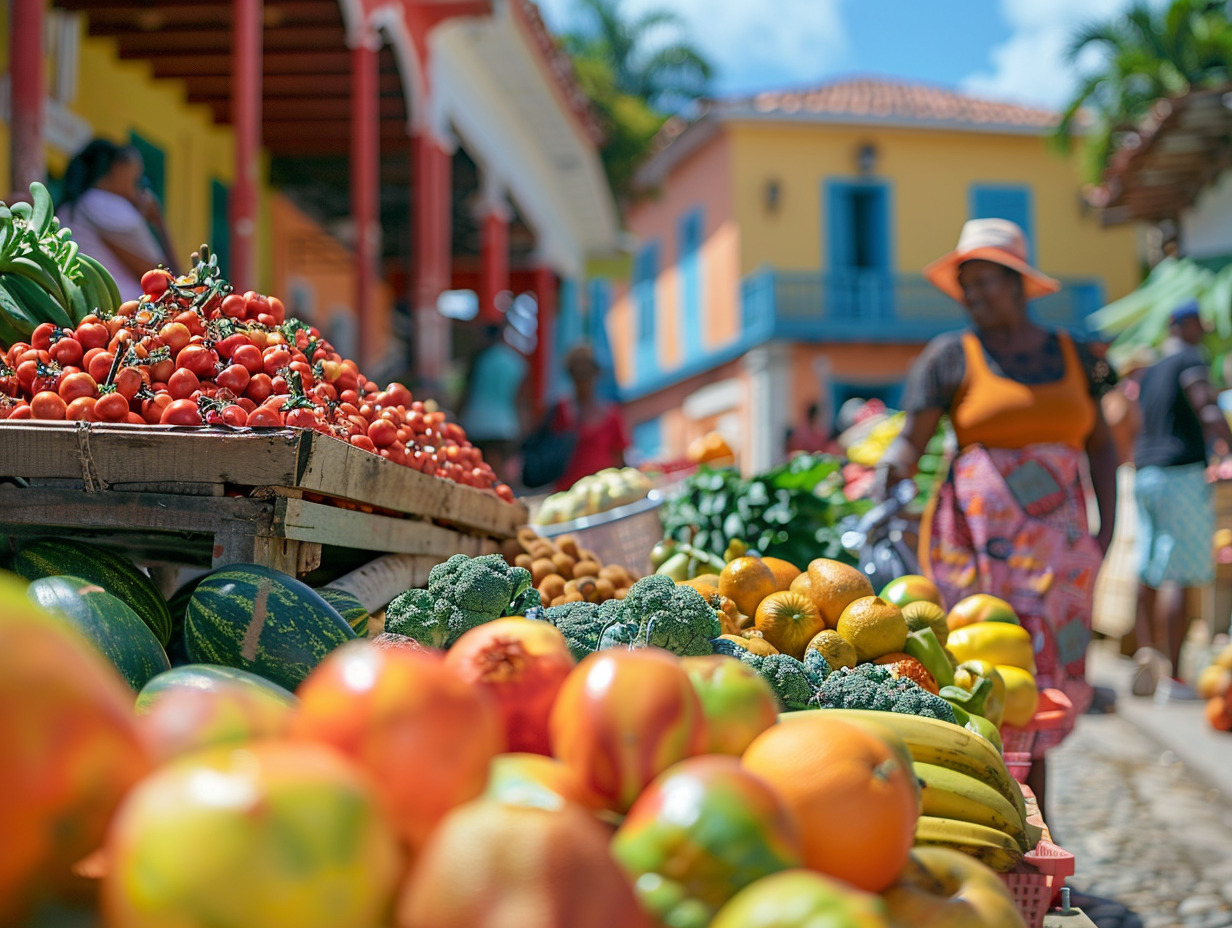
284, 498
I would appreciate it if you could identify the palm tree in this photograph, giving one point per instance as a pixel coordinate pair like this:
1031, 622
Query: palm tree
664, 75
1147, 55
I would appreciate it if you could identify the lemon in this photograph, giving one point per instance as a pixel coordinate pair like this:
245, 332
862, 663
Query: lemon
873, 627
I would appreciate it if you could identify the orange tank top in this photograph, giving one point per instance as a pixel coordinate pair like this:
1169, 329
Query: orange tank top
997, 412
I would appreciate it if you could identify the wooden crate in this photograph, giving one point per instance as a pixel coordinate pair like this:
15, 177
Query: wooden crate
207, 497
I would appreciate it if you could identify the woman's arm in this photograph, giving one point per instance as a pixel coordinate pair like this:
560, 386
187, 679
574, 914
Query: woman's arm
1102, 459
900, 459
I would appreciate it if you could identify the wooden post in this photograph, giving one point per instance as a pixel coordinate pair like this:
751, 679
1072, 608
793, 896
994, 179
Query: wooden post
541, 361
246, 118
26, 74
365, 183
493, 250
433, 257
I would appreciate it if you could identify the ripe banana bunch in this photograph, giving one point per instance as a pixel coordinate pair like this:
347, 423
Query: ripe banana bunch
948, 795
43, 276
990, 846
946, 745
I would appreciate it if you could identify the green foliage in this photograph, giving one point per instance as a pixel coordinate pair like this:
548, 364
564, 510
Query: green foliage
794, 683
791, 512
871, 686
659, 613
1147, 54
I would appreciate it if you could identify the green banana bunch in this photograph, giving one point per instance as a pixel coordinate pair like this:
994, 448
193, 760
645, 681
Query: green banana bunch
994, 847
43, 275
946, 793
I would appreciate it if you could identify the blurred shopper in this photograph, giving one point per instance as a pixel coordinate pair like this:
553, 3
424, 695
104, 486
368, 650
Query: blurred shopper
1010, 518
114, 216
1176, 520
492, 398
601, 434
811, 437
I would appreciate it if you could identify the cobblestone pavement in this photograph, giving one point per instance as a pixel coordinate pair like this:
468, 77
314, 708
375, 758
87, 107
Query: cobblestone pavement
1153, 840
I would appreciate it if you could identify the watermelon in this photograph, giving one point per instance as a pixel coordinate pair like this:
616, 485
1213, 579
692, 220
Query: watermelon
108, 623
209, 677
263, 621
349, 607
177, 605
54, 557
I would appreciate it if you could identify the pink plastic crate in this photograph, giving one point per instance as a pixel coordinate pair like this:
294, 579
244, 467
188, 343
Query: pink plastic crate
1018, 763
1036, 882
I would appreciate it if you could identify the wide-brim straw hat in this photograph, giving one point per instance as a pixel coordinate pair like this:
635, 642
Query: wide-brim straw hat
996, 240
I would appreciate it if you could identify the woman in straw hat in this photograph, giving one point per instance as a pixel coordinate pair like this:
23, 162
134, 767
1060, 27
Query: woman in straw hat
1010, 518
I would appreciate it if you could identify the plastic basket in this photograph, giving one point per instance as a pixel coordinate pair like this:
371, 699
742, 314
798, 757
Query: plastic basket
621, 536
1036, 882
1018, 763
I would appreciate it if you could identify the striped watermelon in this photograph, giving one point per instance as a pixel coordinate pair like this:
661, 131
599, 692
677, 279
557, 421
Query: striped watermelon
349, 607
263, 621
209, 677
108, 623
177, 605
115, 573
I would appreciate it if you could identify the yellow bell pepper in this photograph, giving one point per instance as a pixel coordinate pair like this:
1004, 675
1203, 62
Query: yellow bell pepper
1021, 695
995, 642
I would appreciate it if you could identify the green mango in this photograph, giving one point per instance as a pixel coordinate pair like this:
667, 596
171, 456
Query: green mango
676, 567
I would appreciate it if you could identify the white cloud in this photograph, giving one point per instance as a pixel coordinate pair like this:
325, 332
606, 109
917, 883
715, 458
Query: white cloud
1030, 66
750, 47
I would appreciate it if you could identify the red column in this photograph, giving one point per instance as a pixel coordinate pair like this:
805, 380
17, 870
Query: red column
246, 120
540, 369
26, 73
493, 253
433, 253
365, 182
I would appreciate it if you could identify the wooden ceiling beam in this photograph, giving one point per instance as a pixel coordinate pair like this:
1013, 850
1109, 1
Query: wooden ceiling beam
206, 88
314, 107
308, 66
293, 129
180, 40
124, 20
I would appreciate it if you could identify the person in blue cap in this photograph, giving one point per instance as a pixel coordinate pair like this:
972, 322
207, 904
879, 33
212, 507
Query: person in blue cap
1181, 425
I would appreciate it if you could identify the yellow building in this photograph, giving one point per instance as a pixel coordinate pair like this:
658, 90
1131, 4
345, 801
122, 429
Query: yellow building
779, 252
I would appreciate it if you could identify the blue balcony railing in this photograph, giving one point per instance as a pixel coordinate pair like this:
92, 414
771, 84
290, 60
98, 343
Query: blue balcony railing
864, 306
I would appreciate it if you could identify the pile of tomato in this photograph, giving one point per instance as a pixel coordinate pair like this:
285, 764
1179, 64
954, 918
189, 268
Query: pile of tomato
191, 352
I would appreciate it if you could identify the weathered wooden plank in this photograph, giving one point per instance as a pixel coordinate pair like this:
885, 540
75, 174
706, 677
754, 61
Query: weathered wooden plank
304, 521
43, 508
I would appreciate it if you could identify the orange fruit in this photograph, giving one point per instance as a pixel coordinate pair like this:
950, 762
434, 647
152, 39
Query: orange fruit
836, 649
755, 642
980, 607
802, 584
873, 626
785, 572
911, 588
904, 665
746, 581
835, 585
706, 584
560, 876
788, 621
852, 792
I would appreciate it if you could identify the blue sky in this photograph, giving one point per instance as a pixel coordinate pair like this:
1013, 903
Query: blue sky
1002, 49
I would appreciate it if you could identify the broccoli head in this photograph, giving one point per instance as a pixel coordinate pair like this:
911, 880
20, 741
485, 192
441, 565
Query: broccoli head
417, 615
657, 612
872, 686
485, 585
580, 623
793, 682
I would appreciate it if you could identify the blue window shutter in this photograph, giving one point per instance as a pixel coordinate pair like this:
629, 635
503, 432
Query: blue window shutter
1005, 201
690, 246
600, 302
648, 439
645, 277
220, 225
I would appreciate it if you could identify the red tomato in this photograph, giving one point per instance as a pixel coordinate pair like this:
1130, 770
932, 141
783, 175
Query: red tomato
92, 335
48, 405
305, 373
111, 407
20, 411
134, 418
234, 305
267, 319
161, 370
260, 388
155, 282
9, 384
128, 381
246, 403
183, 384
152, 410
66, 351
15, 351
192, 321
234, 377
277, 310
275, 359
73, 386
175, 335
383, 433
363, 441
41, 339
235, 415
100, 365
46, 379
81, 409
265, 417
302, 418
200, 360
226, 347
181, 412
249, 356
398, 395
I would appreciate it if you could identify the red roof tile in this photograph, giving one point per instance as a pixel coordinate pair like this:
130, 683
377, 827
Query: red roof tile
887, 100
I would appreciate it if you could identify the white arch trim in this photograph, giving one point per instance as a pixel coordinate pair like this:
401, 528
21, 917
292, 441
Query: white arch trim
389, 18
